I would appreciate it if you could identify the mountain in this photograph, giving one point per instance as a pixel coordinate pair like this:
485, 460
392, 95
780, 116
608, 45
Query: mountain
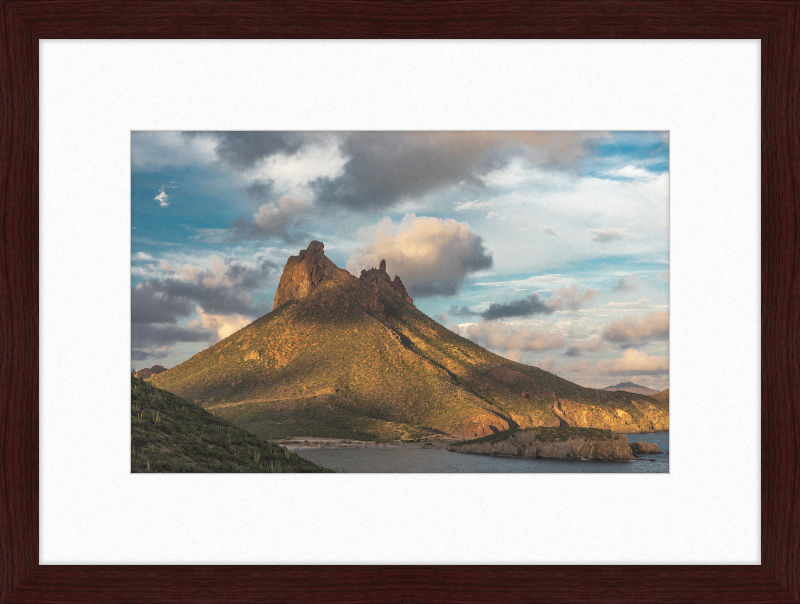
169, 434
352, 357
631, 387
662, 396
146, 373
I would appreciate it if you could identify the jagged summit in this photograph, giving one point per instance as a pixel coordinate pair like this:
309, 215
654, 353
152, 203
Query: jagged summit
352, 357
311, 269
378, 277
304, 272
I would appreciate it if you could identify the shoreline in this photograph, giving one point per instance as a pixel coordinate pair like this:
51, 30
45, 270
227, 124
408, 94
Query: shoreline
304, 443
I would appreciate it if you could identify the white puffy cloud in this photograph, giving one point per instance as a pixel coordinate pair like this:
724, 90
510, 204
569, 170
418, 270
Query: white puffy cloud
432, 256
635, 362
224, 325
510, 339
653, 326
571, 297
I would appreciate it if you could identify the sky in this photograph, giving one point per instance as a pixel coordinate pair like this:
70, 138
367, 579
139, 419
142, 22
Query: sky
548, 248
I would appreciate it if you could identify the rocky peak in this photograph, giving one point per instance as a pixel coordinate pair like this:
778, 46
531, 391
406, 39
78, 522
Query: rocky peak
378, 277
304, 273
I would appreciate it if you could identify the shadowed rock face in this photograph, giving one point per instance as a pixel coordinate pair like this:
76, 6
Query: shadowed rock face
378, 277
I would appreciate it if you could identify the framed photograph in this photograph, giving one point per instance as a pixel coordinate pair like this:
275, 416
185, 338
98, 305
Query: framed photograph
141, 143
490, 292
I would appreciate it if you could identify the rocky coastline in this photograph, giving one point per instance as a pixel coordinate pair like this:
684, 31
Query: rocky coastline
555, 443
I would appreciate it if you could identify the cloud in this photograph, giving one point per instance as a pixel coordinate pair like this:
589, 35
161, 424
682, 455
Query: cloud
641, 304
606, 235
162, 197
432, 256
146, 335
549, 231
384, 168
571, 297
627, 330
474, 205
565, 298
243, 150
635, 362
632, 172
632, 363
526, 307
223, 325
273, 220
592, 344
154, 353
549, 364
224, 288
168, 149
500, 336
629, 283
665, 275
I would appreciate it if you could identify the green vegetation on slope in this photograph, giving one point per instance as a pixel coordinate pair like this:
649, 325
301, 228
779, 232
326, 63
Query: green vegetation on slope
169, 434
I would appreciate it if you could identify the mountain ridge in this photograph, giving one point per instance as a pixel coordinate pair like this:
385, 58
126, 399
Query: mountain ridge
631, 387
346, 356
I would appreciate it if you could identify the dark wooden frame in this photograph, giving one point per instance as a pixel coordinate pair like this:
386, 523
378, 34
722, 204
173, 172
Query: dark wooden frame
24, 22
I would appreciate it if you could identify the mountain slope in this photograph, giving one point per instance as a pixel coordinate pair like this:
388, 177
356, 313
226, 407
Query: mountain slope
149, 372
662, 396
351, 357
631, 387
168, 434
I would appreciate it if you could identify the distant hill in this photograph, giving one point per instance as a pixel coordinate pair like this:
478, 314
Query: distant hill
631, 387
169, 434
352, 357
147, 373
662, 396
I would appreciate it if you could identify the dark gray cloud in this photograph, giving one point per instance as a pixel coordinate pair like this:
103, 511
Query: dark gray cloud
261, 190
154, 335
242, 150
463, 311
384, 168
572, 351
158, 353
224, 292
526, 307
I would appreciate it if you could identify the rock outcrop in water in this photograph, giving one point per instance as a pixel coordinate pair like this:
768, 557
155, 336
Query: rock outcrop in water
551, 443
640, 447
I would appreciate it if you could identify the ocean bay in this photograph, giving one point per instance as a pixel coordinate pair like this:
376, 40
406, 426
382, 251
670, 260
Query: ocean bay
417, 460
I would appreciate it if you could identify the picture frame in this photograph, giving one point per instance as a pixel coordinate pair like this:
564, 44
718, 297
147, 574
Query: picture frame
25, 22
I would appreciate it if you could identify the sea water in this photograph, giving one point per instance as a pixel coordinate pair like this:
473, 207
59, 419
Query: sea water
401, 459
